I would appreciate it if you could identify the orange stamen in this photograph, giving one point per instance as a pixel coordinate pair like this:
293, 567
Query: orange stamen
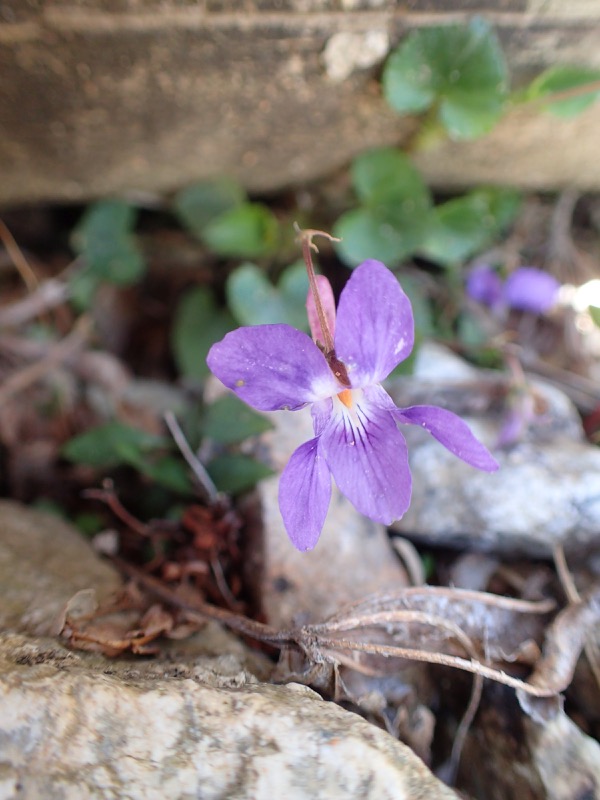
346, 397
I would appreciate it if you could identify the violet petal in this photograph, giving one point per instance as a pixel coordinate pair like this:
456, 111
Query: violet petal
452, 432
368, 458
531, 289
328, 303
304, 495
272, 367
375, 327
321, 413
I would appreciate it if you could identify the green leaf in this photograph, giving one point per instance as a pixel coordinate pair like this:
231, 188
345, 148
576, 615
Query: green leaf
395, 213
107, 446
293, 285
459, 69
236, 473
104, 238
82, 288
390, 186
562, 78
247, 231
197, 205
197, 325
168, 471
89, 523
365, 235
464, 226
254, 300
470, 331
229, 421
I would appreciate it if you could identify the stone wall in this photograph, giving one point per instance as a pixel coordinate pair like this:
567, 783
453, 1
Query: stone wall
107, 96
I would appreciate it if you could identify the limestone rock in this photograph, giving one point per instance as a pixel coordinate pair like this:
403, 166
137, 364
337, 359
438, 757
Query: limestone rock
73, 726
546, 492
44, 562
195, 722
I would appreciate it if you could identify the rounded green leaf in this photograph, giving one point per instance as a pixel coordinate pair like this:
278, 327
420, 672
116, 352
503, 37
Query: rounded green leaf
197, 205
106, 446
408, 82
293, 285
559, 79
104, 238
363, 235
237, 473
466, 115
247, 231
198, 324
254, 300
229, 420
462, 227
459, 68
387, 177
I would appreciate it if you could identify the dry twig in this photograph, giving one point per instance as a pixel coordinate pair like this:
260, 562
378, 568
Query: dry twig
61, 351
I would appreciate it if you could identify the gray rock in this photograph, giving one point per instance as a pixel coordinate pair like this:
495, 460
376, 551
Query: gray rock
44, 562
193, 723
546, 492
74, 726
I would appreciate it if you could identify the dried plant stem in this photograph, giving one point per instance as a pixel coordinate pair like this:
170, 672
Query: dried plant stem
200, 611
411, 560
205, 482
16, 254
568, 584
61, 351
48, 295
463, 728
107, 495
473, 666
320, 648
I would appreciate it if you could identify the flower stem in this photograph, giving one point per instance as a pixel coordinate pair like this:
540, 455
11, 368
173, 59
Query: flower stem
305, 237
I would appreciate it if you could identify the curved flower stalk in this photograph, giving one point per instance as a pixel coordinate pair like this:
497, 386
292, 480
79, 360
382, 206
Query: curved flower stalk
357, 439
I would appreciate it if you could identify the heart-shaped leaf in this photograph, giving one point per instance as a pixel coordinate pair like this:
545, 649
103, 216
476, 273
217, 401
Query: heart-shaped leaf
254, 300
249, 230
105, 240
198, 324
462, 227
105, 446
197, 205
459, 69
229, 421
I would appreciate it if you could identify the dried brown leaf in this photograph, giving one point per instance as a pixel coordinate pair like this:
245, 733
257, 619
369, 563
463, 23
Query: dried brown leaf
565, 639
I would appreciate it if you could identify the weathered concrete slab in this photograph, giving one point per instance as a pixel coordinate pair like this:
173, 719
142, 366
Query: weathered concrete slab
104, 97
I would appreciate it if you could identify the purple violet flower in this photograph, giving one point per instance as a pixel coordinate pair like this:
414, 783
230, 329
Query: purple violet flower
525, 289
357, 440
484, 285
531, 289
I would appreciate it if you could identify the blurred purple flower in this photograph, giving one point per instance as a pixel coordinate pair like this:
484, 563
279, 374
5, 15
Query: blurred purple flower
484, 285
531, 289
356, 440
525, 289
